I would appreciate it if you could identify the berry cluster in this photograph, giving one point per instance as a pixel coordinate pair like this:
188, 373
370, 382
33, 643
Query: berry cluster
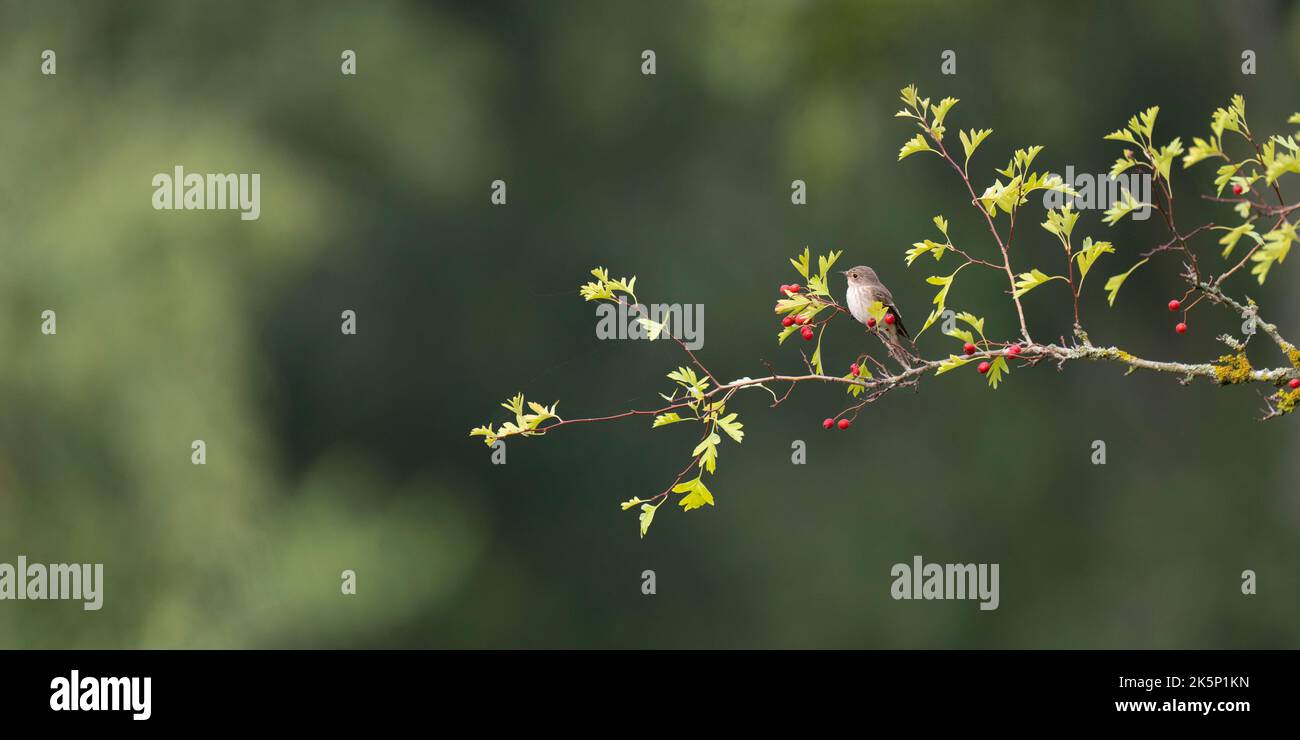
788, 321
1180, 327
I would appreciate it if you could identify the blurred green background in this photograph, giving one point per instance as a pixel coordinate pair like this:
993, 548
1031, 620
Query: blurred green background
329, 452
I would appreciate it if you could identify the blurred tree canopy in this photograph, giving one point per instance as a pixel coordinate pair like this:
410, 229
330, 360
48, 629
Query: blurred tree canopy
329, 452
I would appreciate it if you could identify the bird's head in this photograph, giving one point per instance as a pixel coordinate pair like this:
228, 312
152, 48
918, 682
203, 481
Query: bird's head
861, 274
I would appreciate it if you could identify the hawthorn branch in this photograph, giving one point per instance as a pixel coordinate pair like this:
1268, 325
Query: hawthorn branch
1002, 246
1248, 312
1029, 355
704, 399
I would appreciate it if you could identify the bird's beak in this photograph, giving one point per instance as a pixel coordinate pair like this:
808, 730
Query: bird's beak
844, 272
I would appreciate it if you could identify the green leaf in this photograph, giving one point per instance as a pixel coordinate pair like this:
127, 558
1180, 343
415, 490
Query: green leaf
952, 363
1124, 206
998, 368
1145, 122
801, 264
1047, 181
825, 263
669, 418
1027, 281
1115, 281
963, 334
1202, 150
927, 246
1088, 255
516, 404
1022, 158
1165, 157
939, 298
971, 142
913, 145
1121, 164
908, 96
686, 378
604, 288
653, 328
1225, 174
975, 322
1122, 135
647, 516
707, 451
1280, 164
1232, 118
941, 109
1006, 197
1234, 235
732, 427
697, 494
1277, 244
1061, 222
1140, 125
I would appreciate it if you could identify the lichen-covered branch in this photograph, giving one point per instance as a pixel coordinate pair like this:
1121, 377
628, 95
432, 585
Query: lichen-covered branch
808, 309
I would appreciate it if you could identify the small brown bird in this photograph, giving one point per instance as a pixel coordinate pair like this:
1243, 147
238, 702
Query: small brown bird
864, 289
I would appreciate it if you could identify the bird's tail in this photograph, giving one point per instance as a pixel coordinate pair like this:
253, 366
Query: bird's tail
897, 350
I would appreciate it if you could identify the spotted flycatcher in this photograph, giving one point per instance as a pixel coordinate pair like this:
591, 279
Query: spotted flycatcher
865, 289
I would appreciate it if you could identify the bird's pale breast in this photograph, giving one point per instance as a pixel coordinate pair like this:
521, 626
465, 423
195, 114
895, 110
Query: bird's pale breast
859, 298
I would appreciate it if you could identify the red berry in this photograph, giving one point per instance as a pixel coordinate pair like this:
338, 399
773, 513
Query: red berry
871, 323
889, 319
784, 288
853, 369
968, 348
1237, 189
1181, 328
844, 424
1013, 350
807, 333
1175, 305
801, 320
827, 424
787, 321
1295, 383
984, 367
794, 288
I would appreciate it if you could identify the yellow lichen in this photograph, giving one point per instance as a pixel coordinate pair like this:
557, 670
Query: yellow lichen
1287, 400
1233, 369
1293, 354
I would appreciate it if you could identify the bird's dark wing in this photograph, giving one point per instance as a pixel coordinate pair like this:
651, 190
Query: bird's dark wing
880, 293
898, 320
